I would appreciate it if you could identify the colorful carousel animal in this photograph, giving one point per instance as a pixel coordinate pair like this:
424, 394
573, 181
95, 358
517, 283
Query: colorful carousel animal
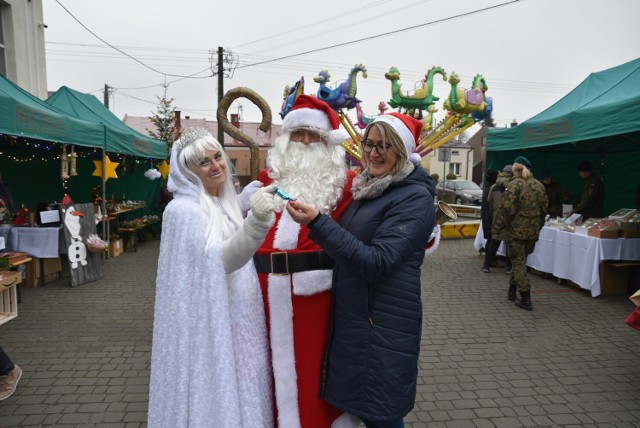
422, 97
290, 95
344, 95
366, 119
463, 101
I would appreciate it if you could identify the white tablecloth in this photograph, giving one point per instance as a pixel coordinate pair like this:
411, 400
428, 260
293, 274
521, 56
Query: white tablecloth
576, 257
479, 242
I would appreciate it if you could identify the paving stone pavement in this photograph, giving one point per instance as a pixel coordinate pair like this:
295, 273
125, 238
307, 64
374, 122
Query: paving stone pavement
484, 362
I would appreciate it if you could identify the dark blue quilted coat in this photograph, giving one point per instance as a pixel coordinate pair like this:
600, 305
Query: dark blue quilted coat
371, 361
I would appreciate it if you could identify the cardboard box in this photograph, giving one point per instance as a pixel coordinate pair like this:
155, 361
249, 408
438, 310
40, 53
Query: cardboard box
13, 257
603, 234
115, 248
9, 281
49, 269
614, 277
629, 233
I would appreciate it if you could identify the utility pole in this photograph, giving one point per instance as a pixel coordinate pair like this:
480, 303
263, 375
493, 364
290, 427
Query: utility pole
106, 95
224, 67
220, 91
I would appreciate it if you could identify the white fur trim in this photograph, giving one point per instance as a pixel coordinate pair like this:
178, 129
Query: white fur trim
311, 282
415, 158
306, 117
405, 135
287, 231
282, 351
346, 420
434, 240
337, 137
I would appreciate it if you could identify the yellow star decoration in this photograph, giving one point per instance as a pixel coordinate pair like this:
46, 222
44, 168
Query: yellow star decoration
109, 168
163, 169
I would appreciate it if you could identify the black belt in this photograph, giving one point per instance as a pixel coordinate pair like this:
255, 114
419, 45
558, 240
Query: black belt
283, 263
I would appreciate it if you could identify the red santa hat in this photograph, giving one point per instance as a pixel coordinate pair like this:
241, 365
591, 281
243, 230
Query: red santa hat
310, 112
407, 128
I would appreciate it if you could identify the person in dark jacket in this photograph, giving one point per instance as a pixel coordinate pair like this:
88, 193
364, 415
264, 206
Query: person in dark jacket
371, 360
591, 203
557, 195
485, 215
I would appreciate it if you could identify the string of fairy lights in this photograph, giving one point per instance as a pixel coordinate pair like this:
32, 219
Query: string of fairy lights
53, 152
52, 148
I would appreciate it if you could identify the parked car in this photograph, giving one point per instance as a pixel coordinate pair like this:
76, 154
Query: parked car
464, 192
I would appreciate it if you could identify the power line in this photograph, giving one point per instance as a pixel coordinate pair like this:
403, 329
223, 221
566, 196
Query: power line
119, 50
413, 27
360, 21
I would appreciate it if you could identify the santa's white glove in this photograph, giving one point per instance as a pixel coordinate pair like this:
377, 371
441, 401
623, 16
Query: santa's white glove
246, 194
262, 205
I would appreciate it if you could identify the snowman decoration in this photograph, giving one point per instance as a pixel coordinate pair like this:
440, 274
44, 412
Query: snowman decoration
77, 251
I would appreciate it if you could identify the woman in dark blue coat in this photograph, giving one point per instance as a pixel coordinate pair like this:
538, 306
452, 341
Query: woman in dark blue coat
371, 361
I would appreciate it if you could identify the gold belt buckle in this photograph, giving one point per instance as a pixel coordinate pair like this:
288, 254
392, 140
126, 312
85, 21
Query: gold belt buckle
286, 259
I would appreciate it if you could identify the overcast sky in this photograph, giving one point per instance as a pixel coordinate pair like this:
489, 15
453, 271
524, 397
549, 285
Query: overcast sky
531, 52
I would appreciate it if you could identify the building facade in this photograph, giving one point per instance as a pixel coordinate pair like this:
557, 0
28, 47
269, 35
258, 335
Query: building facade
460, 163
22, 51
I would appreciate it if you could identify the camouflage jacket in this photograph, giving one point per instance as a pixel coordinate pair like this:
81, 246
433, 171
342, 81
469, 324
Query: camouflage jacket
556, 195
495, 196
591, 203
522, 210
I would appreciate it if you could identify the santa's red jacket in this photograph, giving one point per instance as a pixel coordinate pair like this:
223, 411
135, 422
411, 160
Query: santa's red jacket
298, 307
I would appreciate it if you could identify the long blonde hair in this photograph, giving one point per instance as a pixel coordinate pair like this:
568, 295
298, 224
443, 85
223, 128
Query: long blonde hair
519, 170
217, 227
389, 136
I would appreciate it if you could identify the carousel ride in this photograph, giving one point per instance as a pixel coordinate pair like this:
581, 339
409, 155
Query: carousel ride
464, 107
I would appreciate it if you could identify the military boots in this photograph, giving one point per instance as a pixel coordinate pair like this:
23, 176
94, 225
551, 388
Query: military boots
525, 301
512, 292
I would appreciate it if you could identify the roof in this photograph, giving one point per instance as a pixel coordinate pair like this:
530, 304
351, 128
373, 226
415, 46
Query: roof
263, 139
606, 103
119, 138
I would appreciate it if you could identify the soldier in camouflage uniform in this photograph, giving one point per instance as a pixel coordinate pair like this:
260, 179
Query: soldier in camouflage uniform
556, 194
521, 214
591, 203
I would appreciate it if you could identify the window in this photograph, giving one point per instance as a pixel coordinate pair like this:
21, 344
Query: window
454, 168
455, 152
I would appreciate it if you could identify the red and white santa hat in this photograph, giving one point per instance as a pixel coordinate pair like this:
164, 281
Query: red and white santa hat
310, 112
407, 128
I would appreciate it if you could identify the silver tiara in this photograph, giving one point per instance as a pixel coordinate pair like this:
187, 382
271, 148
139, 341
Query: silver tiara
191, 135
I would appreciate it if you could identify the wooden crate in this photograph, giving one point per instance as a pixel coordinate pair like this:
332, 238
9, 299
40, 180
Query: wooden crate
8, 295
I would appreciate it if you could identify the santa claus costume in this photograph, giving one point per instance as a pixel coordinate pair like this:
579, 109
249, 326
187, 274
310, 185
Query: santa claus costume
295, 274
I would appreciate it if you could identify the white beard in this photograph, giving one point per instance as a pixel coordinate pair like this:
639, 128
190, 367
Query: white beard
313, 173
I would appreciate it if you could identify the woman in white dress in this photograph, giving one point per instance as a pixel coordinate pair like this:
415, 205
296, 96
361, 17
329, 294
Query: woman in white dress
210, 357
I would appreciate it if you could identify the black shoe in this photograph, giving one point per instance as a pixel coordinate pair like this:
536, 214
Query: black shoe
525, 301
512, 292
485, 269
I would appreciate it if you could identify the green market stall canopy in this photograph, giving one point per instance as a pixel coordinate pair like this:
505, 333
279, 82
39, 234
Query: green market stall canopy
119, 138
24, 115
598, 121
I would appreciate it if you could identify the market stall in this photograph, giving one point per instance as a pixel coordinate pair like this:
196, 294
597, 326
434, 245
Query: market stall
598, 121
77, 134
